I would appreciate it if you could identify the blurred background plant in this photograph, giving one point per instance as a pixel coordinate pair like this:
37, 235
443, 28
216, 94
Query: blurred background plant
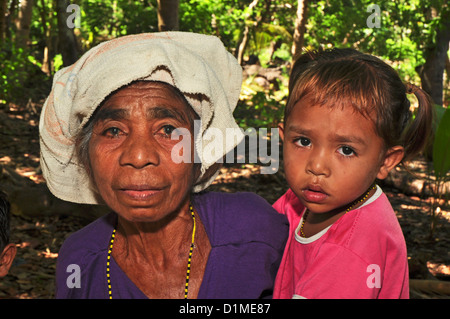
440, 165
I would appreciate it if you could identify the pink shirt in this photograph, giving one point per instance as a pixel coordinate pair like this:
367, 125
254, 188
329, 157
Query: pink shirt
362, 255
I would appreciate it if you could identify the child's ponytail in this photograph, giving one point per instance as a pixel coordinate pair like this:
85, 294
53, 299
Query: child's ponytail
417, 132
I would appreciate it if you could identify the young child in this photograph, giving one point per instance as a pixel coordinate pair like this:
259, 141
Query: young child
347, 123
7, 250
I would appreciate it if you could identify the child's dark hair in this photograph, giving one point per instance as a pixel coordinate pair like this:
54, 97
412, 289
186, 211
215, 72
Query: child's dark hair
4, 221
346, 77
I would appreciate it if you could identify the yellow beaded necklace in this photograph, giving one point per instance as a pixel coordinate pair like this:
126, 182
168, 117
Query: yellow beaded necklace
188, 271
359, 200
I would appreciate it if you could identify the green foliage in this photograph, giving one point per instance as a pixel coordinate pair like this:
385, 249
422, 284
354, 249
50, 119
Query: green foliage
227, 19
441, 146
406, 30
259, 107
20, 75
216, 17
441, 164
102, 20
57, 62
14, 69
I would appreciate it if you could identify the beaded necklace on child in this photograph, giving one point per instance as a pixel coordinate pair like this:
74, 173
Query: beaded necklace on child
359, 200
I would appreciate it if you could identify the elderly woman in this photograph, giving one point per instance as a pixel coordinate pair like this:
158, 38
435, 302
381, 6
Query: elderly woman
108, 132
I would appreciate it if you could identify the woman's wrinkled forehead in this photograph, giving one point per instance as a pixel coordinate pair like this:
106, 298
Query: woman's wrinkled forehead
119, 103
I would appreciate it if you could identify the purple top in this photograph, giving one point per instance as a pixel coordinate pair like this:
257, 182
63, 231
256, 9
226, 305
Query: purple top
247, 239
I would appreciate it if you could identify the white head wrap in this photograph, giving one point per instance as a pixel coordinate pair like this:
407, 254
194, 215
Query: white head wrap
193, 63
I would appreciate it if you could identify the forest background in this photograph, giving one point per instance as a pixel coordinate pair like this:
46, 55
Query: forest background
39, 37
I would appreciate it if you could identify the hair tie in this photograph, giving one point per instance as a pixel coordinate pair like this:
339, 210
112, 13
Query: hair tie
411, 88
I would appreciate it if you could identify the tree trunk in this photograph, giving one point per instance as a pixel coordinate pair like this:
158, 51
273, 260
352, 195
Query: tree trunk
67, 42
10, 19
274, 46
432, 72
300, 27
242, 46
3, 6
245, 37
447, 70
24, 22
168, 15
48, 50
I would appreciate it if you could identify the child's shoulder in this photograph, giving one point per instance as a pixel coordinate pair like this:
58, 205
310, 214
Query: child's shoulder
379, 216
289, 205
374, 228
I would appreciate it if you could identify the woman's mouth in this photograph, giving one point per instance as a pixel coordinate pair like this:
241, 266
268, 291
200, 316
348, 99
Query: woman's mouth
314, 194
140, 192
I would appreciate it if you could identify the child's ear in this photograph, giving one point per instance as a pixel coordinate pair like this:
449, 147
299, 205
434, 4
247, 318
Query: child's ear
392, 158
281, 131
6, 259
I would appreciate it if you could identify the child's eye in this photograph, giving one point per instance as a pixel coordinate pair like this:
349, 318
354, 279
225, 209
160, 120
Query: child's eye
303, 141
346, 151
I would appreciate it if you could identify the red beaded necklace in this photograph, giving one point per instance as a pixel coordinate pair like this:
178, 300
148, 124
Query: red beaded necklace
359, 200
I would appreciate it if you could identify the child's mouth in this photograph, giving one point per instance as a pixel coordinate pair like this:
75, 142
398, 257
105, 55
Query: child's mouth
314, 194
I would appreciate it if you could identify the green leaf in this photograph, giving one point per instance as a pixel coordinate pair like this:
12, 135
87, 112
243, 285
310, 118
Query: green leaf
441, 146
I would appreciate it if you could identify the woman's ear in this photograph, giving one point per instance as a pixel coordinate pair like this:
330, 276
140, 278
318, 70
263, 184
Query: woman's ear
281, 131
392, 158
6, 258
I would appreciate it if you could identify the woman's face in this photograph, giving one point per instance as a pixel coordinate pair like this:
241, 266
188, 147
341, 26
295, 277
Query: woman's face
130, 152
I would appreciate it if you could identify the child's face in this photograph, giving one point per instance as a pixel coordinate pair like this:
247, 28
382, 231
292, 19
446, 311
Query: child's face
331, 156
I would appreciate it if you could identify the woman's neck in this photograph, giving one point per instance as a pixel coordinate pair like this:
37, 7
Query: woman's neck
155, 255
160, 241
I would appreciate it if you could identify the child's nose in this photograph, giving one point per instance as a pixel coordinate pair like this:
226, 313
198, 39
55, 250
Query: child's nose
318, 163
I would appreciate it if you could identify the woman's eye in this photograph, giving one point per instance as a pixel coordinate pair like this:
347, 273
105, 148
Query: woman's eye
346, 151
112, 132
303, 141
168, 129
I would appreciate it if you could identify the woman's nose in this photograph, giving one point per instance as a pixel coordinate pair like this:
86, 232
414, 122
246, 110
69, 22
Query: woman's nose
139, 151
318, 163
